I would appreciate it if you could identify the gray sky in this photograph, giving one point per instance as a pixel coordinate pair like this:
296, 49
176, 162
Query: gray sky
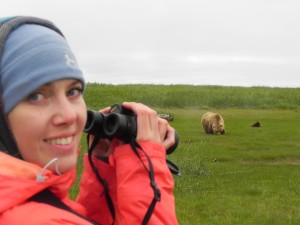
222, 42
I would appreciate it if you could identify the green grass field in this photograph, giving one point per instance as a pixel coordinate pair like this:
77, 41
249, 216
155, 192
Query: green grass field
247, 176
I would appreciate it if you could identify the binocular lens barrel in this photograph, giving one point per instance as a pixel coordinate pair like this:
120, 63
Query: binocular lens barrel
94, 122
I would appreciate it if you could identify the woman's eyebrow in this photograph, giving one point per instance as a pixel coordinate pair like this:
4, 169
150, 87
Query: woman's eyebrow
74, 82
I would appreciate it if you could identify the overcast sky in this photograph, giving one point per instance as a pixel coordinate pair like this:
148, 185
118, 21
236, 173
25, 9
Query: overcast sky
222, 42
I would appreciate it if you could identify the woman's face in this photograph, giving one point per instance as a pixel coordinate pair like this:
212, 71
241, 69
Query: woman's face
49, 124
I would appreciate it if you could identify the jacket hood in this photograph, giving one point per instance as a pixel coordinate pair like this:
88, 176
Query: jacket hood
18, 181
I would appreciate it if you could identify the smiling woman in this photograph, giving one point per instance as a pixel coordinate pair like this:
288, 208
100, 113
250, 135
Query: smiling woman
57, 114
40, 133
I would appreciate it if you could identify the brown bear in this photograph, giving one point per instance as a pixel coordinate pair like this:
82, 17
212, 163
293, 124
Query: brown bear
213, 123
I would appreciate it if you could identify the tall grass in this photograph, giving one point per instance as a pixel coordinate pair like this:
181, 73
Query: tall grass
199, 97
247, 176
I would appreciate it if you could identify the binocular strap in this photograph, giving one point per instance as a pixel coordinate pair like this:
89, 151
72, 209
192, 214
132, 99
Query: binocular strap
101, 180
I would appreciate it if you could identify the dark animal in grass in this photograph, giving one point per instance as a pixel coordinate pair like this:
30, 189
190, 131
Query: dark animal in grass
257, 124
213, 123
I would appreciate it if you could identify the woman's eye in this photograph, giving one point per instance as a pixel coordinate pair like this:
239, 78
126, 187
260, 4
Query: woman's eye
36, 97
75, 92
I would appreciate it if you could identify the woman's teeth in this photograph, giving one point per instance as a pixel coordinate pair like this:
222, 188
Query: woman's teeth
60, 141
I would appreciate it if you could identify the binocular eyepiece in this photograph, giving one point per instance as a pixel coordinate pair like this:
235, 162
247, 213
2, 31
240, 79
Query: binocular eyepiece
118, 123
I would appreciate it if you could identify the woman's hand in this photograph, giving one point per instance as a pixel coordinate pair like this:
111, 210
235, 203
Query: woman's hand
150, 127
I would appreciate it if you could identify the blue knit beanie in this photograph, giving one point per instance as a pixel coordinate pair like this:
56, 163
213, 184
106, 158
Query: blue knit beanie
34, 55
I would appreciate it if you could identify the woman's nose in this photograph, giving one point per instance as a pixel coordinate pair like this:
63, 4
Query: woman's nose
65, 112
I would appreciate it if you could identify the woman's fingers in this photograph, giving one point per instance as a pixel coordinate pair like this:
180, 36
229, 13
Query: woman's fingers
149, 126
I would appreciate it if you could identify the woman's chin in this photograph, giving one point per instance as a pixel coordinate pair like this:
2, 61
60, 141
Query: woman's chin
64, 165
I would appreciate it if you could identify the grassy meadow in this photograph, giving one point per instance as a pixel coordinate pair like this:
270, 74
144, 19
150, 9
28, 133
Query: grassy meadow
247, 176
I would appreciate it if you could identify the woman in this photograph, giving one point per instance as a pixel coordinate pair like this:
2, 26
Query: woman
44, 114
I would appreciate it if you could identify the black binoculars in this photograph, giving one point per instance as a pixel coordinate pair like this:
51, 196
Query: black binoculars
118, 123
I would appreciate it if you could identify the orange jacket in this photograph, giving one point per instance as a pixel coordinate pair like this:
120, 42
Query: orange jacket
128, 184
